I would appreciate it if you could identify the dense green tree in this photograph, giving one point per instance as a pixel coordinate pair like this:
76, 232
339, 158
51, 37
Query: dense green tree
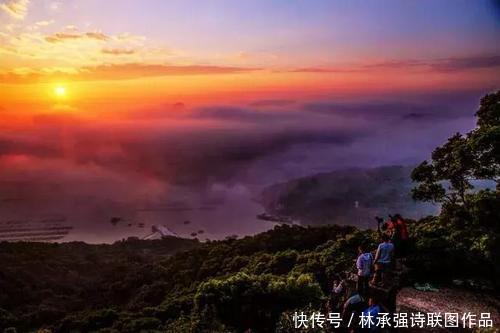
466, 234
447, 177
485, 138
256, 301
452, 163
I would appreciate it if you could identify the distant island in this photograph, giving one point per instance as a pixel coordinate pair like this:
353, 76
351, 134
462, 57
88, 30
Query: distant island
351, 197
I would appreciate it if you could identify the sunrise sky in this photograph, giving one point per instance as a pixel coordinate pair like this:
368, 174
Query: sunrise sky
220, 98
166, 50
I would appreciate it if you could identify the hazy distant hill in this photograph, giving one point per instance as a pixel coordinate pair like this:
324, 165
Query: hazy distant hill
351, 196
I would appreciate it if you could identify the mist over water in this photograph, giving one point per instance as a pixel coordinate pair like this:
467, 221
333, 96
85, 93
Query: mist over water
201, 170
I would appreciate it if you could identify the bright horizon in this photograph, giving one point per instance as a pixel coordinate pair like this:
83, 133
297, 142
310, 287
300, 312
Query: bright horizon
182, 51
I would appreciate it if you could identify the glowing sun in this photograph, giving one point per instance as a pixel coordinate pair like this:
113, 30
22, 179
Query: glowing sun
60, 91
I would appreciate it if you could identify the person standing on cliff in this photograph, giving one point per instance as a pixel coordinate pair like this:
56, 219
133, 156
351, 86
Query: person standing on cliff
383, 259
403, 236
364, 265
394, 232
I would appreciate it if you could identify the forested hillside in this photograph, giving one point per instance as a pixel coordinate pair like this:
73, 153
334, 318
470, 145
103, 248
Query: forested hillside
229, 285
135, 284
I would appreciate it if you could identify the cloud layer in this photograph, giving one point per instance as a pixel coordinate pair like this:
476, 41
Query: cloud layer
62, 36
452, 64
175, 162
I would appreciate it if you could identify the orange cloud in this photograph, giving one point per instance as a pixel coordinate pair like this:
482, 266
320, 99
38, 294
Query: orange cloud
96, 35
323, 70
64, 36
116, 51
118, 72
